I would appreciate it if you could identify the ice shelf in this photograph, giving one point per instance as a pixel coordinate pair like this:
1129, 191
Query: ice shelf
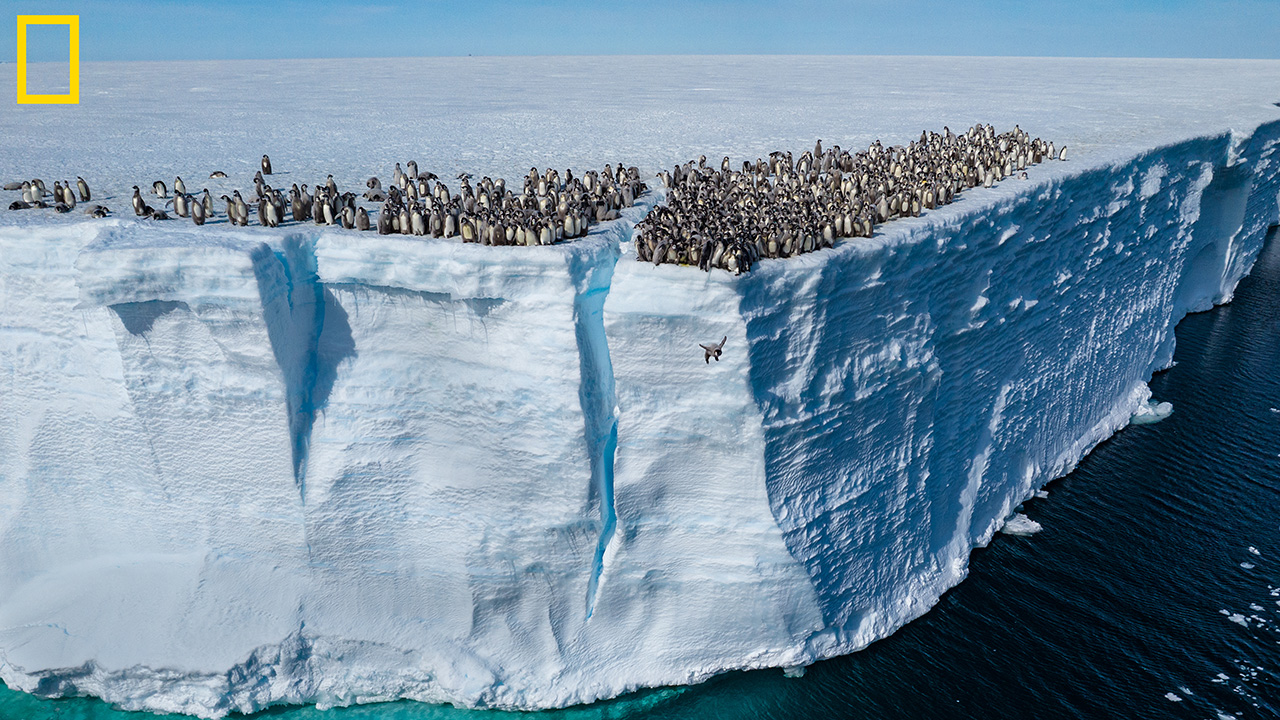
241, 467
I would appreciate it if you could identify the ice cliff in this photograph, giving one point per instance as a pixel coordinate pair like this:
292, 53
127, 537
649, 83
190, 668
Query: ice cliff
240, 468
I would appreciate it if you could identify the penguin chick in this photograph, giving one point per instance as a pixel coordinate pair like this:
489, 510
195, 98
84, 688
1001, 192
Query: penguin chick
713, 351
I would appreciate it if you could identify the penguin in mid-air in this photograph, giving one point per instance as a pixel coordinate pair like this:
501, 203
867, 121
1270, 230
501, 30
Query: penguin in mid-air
713, 351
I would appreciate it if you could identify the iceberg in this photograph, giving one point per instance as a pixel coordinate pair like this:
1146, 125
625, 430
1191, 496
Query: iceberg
244, 466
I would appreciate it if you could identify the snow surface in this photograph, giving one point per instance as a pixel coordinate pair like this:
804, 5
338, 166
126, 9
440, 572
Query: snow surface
242, 466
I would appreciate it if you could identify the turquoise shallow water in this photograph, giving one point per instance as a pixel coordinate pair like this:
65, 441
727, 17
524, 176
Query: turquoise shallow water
1153, 590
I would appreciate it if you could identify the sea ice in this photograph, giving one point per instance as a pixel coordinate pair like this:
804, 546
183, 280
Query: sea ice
1151, 412
1021, 525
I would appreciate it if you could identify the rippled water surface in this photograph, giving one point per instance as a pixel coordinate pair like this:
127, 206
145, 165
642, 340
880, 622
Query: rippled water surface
1153, 590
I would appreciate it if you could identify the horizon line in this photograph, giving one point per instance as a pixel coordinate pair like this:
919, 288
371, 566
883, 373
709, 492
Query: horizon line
671, 55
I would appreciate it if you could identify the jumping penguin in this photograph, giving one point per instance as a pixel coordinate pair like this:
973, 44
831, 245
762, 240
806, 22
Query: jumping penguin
713, 351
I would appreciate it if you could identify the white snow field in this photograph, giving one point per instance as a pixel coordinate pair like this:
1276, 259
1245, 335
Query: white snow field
242, 466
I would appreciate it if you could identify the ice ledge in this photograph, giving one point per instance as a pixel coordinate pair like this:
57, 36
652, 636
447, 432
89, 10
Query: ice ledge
881, 409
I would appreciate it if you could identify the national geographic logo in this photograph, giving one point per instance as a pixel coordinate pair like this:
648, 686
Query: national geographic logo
73, 96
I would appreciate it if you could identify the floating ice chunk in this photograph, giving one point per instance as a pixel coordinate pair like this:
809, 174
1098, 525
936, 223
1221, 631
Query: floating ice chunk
1151, 412
1238, 619
1185, 690
1172, 697
1255, 551
795, 671
1042, 494
1022, 525
1247, 565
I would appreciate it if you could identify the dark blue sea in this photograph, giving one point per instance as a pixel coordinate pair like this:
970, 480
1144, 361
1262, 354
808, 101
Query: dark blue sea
1152, 592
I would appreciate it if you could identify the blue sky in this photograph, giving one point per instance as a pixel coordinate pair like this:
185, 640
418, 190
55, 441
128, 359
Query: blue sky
176, 29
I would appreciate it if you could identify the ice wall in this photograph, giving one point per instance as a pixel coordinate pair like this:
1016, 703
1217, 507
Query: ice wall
240, 468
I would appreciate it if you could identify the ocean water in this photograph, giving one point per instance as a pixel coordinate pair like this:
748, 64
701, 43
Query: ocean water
1152, 591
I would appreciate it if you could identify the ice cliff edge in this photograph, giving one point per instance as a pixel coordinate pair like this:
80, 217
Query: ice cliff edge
309, 466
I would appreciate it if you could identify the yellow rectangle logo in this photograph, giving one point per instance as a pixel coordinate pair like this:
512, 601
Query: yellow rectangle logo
71, 98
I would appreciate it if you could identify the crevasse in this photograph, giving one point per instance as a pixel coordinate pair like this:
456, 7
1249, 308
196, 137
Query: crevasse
241, 468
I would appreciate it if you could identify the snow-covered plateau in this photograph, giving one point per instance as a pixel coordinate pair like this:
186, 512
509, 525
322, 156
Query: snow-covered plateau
249, 466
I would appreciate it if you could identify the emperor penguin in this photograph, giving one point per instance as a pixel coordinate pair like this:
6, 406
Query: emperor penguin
159, 189
197, 213
1062, 154
362, 220
266, 165
411, 169
242, 209
83, 187
384, 220
208, 203
179, 187
138, 204
296, 206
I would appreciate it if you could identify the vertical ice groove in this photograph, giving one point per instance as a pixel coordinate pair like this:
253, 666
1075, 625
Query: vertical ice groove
593, 273
295, 339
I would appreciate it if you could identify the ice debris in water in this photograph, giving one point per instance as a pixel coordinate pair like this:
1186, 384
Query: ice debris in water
1042, 494
1247, 565
1171, 697
1151, 412
1236, 618
1022, 525
1255, 551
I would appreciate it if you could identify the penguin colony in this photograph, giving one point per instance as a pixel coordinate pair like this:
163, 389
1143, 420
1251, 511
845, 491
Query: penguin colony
784, 207
726, 218
547, 209
64, 198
